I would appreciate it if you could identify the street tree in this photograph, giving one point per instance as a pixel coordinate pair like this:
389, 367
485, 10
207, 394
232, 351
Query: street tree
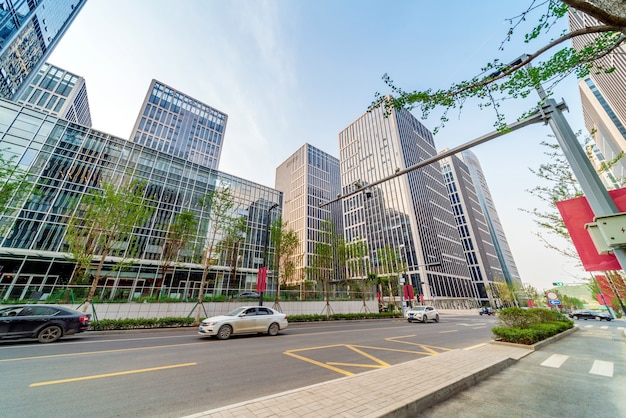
358, 265
101, 226
235, 231
506, 292
14, 183
179, 233
551, 63
220, 206
390, 266
285, 242
323, 264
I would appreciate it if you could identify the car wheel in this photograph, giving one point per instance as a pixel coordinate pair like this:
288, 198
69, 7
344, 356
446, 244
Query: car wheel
224, 332
424, 319
437, 318
598, 318
50, 334
273, 329
409, 320
575, 317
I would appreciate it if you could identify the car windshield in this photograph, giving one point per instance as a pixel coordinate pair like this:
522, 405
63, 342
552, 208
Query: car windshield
419, 308
236, 312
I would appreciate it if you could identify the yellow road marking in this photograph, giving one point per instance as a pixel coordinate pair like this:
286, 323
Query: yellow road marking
369, 356
318, 363
446, 332
475, 346
480, 327
100, 376
429, 348
120, 350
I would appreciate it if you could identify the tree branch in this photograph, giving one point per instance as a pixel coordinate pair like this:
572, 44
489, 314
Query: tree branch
601, 14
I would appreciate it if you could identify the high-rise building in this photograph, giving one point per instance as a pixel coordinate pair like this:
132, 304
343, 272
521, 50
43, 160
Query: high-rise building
475, 232
603, 96
411, 214
60, 93
179, 125
67, 161
29, 32
307, 178
500, 243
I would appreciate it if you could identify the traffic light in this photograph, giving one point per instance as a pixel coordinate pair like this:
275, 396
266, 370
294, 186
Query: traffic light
557, 284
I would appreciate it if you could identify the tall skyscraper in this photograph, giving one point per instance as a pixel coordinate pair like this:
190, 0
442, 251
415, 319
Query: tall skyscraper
60, 93
29, 32
410, 214
475, 232
603, 98
179, 125
501, 245
308, 177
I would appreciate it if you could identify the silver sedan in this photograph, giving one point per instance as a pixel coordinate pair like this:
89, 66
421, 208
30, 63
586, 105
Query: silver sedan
244, 320
422, 314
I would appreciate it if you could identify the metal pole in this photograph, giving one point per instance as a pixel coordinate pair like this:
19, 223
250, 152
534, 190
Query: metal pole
267, 241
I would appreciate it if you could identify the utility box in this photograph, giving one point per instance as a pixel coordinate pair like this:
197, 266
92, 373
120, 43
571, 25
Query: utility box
597, 238
613, 228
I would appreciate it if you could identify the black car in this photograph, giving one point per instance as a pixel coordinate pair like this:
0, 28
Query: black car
589, 314
248, 295
46, 323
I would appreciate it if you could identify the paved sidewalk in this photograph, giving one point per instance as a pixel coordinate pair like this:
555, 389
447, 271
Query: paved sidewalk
390, 392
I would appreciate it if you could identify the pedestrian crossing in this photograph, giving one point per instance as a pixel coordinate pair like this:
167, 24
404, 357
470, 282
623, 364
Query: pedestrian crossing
599, 367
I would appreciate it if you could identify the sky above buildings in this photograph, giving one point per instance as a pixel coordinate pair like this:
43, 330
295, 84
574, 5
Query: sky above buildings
293, 71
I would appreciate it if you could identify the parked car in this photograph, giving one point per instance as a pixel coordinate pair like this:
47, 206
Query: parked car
46, 323
244, 320
590, 314
248, 295
422, 314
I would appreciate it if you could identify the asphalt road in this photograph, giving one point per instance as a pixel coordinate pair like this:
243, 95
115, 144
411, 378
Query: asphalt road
176, 372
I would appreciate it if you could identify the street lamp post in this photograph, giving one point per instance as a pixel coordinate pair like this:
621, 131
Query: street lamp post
267, 241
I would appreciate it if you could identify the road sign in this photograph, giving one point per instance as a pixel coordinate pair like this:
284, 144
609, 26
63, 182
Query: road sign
557, 284
552, 296
554, 302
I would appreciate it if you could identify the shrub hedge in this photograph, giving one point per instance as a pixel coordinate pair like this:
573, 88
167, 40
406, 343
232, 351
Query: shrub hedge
149, 323
529, 326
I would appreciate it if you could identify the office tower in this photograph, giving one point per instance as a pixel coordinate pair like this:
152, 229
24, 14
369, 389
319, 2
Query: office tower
29, 32
478, 246
179, 125
307, 178
66, 161
410, 214
60, 93
603, 97
501, 245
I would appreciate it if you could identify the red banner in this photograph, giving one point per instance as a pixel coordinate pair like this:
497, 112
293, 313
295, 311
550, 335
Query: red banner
408, 292
576, 213
261, 280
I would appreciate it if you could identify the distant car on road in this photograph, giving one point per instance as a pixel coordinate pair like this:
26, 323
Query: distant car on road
244, 320
248, 295
590, 314
422, 314
46, 323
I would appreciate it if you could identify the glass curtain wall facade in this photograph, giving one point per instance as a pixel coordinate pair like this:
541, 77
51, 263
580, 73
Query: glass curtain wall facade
501, 245
60, 93
179, 125
474, 230
307, 178
410, 214
67, 161
29, 32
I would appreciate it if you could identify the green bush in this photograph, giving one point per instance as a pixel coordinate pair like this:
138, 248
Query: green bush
528, 326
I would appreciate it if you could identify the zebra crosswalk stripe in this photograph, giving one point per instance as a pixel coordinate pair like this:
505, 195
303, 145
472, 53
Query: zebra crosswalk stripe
602, 368
555, 360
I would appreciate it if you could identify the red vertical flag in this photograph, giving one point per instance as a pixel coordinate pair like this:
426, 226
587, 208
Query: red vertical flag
261, 280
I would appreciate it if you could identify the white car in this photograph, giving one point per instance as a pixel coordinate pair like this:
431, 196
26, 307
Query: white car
244, 320
422, 314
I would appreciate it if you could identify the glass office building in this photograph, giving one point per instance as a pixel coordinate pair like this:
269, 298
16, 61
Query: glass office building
411, 214
60, 93
179, 125
307, 178
29, 32
66, 161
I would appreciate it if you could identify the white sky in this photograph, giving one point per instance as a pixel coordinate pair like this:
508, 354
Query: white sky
293, 71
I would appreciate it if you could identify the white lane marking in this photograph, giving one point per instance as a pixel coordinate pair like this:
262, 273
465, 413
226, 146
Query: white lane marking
604, 327
555, 360
588, 326
602, 368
